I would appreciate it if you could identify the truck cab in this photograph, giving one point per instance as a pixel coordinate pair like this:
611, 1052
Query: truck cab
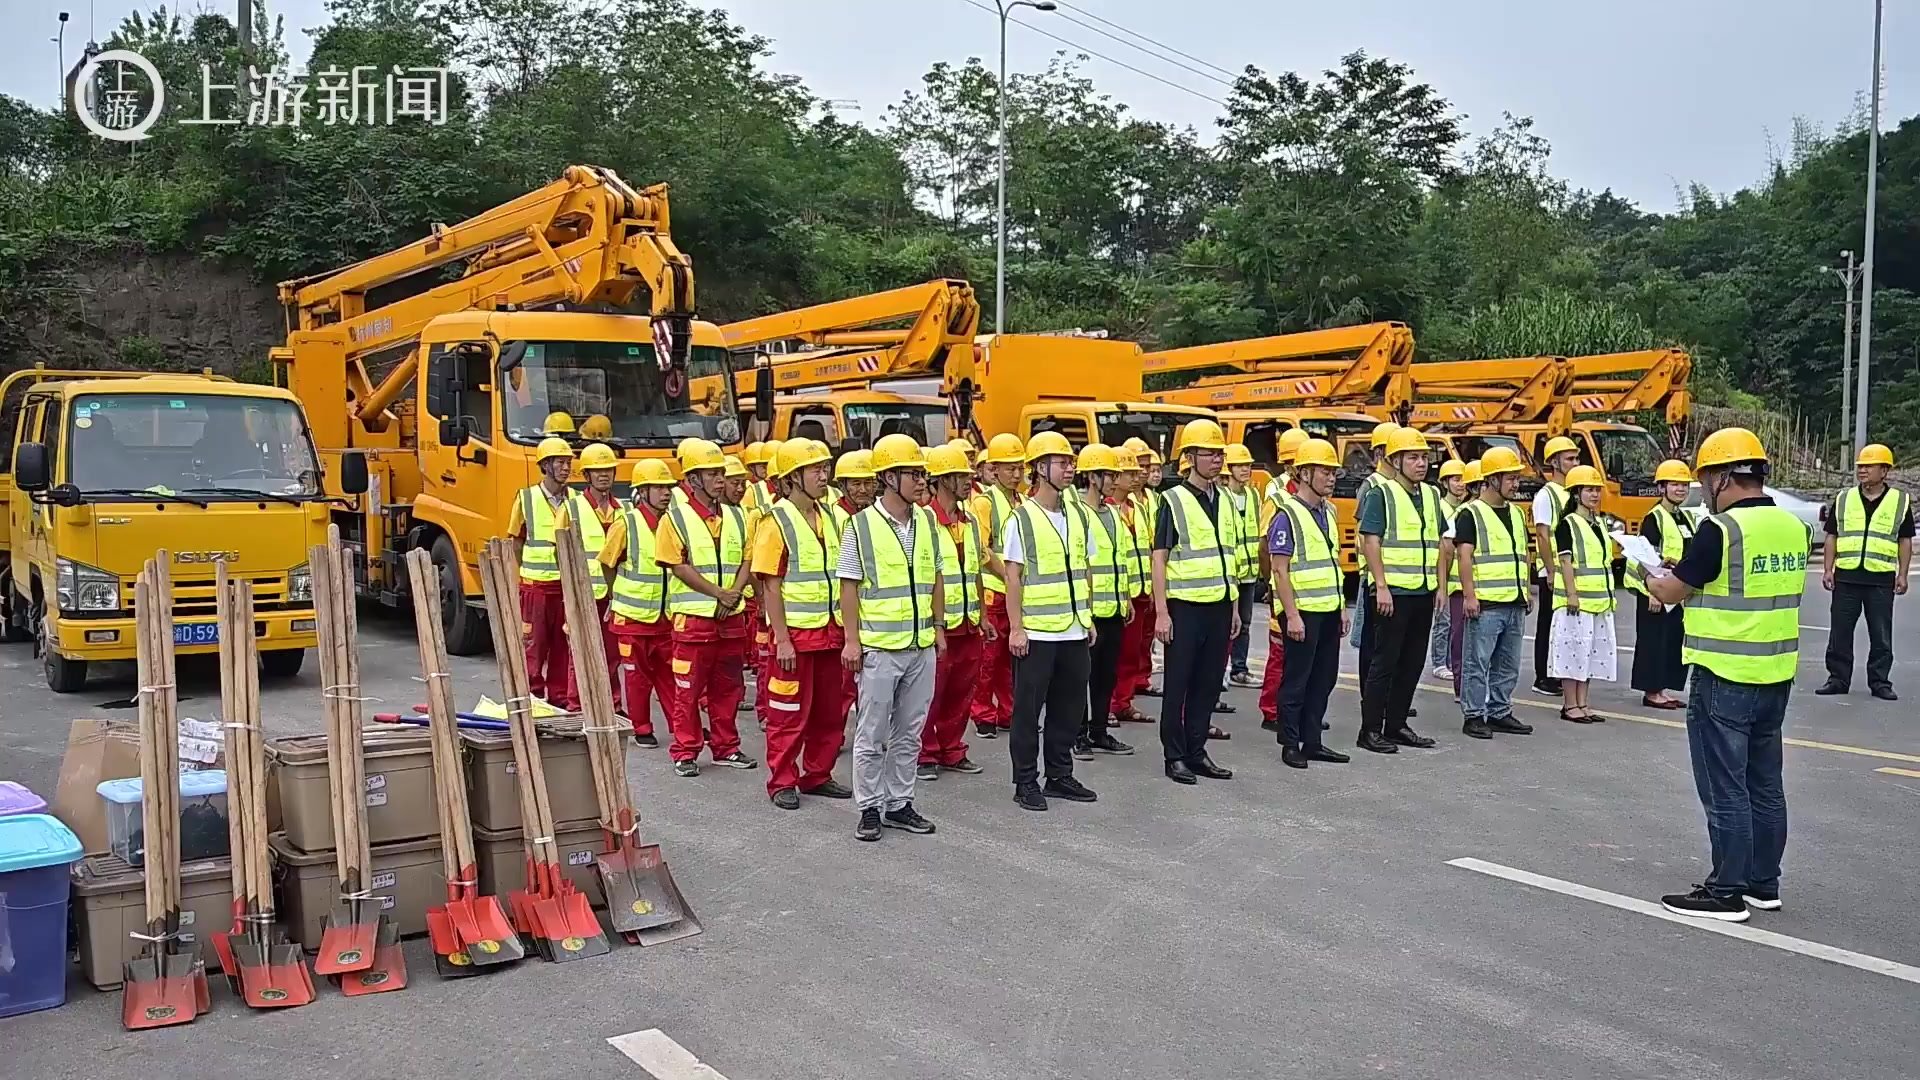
106, 472
854, 419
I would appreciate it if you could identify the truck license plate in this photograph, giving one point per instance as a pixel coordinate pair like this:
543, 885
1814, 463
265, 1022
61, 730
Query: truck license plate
196, 634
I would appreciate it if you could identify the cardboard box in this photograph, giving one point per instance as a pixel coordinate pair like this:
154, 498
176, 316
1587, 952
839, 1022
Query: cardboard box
503, 861
493, 782
399, 796
110, 905
406, 877
97, 750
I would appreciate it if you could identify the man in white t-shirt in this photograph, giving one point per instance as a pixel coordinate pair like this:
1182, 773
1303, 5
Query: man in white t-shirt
1559, 456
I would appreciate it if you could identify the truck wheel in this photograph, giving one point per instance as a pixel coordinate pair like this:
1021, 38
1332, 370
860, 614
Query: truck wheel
64, 676
464, 624
282, 663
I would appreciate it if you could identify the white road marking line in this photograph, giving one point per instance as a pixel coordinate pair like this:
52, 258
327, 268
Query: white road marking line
1744, 931
665, 1059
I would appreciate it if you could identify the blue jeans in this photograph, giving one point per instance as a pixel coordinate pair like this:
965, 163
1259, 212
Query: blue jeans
1490, 661
1442, 630
1245, 641
1733, 737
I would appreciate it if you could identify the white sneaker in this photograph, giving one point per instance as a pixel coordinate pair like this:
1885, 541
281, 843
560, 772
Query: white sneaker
1443, 673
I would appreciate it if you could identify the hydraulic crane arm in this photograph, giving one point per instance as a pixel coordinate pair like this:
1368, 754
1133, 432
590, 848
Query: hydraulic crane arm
939, 341
1663, 383
1349, 364
587, 238
1526, 390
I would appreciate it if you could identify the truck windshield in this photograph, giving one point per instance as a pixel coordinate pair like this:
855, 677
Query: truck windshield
615, 392
926, 423
1475, 447
1627, 454
1154, 428
191, 442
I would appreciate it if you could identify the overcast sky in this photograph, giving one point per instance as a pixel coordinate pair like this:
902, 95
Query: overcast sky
1637, 95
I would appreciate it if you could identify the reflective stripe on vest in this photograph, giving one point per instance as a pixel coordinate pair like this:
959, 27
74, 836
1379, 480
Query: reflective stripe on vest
960, 574
1112, 563
1200, 563
718, 563
1744, 625
896, 593
1868, 544
1053, 584
1499, 553
999, 509
807, 589
1314, 567
1675, 531
1410, 546
640, 588
1142, 527
1245, 510
539, 560
1557, 496
1592, 568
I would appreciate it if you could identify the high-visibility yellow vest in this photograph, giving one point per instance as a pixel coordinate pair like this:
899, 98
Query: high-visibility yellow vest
896, 593
1372, 480
1246, 523
640, 584
838, 516
1868, 543
807, 590
1200, 563
717, 562
1410, 546
960, 574
1744, 625
999, 509
759, 496
1113, 562
1675, 531
539, 560
1499, 552
1557, 495
1053, 583
1314, 567
1140, 554
1592, 568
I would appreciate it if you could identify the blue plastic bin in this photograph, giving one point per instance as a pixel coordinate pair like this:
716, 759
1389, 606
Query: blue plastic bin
35, 851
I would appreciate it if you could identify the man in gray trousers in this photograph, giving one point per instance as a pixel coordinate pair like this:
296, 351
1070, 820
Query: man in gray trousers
892, 606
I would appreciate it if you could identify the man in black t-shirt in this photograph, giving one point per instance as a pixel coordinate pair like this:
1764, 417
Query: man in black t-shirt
1868, 552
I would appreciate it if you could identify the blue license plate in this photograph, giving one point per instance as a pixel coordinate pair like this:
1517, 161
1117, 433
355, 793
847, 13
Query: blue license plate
205, 633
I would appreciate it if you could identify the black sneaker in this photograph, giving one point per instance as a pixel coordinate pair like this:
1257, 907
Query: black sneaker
648, 741
1701, 903
686, 768
1550, 687
906, 818
1066, 787
964, 765
830, 789
1829, 689
787, 798
985, 731
1475, 728
927, 771
869, 827
1270, 725
737, 760
1029, 798
1507, 725
1149, 691
1762, 901
1082, 750
1104, 743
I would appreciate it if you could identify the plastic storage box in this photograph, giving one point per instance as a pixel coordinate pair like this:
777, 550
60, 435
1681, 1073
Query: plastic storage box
203, 817
110, 907
18, 799
35, 851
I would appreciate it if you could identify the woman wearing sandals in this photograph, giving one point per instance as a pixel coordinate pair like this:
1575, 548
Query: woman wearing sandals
1657, 667
1583, 642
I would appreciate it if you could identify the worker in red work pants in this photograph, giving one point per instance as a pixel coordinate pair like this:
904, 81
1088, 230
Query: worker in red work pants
702, 540
993, 508
1136, 638
638, 624
956, 673
533, 522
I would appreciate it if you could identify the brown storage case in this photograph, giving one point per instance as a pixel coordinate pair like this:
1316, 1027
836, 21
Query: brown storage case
405, 875
493, 795
110, 905
503, 861
399, 793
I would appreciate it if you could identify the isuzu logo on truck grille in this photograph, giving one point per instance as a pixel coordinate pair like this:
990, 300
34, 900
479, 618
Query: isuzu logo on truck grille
205, 556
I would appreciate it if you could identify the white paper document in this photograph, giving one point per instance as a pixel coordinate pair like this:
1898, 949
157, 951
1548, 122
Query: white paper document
1639, 549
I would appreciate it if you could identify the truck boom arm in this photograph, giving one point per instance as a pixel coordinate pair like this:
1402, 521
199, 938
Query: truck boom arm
939, 341
1349, 364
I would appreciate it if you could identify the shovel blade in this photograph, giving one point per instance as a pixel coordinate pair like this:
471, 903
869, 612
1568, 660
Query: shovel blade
277, 981
570, 930
450, 958
484, 931
388, 970
644, 902
149, 1000
347, 941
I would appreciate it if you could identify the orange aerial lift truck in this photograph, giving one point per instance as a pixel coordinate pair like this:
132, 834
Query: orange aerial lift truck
436, 392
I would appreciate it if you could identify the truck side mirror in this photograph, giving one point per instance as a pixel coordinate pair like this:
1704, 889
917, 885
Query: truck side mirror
453, 431
763, 394
30, 470
353, 472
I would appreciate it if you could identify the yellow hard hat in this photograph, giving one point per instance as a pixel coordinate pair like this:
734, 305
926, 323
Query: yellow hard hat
552, 447
1875, 454
736, 467
1154, 458
699, 454
596, 426
1005, 448
1238, 454
965, 448
1124, 460
652, 472
1047, 444
1560, 444
948, 459
1136, 444
599, 456
755, 453
1404, 440
770, 451
1469, 473
1673, 471
1381, 432
1095, 457
558, 423
1452, 467
1500, 459
1585, 476
1315, 452
1727, 446
854, 465
797, 454
1290, 441
1200, 435
897, 451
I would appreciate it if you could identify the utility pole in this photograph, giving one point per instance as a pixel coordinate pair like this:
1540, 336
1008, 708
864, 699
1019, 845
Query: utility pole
1000, 229
245, 26
1866, 270
1849, 277
60, 44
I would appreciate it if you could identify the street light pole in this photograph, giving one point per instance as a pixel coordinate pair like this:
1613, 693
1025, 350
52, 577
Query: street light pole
1866, 268
60, 42
1000, 218
1848, 277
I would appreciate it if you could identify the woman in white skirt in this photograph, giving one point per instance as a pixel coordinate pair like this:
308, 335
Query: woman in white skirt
1582, 648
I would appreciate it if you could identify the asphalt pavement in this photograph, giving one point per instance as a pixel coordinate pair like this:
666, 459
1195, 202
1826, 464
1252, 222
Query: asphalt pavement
1281, 924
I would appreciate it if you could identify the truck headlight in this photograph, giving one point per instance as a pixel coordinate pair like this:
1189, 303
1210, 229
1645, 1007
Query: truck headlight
80, 587
300, 584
